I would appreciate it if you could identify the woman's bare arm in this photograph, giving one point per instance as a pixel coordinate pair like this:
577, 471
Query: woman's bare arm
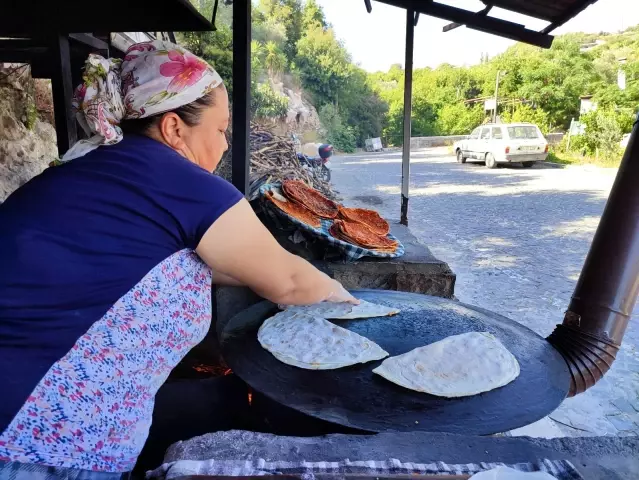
226, 280
237, 245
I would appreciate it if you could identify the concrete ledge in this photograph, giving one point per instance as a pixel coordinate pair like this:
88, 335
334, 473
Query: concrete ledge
417, 271
596, 458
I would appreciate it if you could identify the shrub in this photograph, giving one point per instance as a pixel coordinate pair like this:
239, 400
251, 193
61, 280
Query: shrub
335, 132
267, 103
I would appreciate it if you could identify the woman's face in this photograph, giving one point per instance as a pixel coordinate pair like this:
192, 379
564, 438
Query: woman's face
206, 141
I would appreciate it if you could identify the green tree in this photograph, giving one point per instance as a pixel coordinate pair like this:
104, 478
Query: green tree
323, 64
525, 113
459, 119
269, 31
287, 13
313, 16
267, 103
602, 134
338, 134
361, 107
274, 59
216, 48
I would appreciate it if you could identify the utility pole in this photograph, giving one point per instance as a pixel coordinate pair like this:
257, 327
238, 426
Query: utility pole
496, 90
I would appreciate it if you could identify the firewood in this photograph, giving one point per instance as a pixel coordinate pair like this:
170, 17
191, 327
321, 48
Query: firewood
273, 158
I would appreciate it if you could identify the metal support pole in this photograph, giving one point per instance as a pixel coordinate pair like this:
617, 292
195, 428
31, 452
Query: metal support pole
62, 90
496, 90
606, 292
241, 160
408, 96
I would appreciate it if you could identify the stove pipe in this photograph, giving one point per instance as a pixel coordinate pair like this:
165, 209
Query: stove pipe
605, 295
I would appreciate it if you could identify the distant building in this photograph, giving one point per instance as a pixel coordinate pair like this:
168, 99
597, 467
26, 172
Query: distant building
621, 74
587, 104
584, 47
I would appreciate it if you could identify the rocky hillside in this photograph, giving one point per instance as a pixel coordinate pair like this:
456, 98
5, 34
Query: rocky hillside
27, 136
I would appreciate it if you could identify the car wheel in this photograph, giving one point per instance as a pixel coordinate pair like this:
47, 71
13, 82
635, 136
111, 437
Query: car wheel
490, 161
460, 157
527, 164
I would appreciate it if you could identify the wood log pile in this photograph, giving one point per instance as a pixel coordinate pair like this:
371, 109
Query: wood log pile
273, 158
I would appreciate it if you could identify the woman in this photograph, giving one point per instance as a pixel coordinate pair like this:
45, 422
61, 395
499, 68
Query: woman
107, 262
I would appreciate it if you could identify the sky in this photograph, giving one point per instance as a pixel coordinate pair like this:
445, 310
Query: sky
376, 40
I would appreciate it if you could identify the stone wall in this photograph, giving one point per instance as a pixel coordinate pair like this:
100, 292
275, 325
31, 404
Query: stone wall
27, 137
438, 141
446, 140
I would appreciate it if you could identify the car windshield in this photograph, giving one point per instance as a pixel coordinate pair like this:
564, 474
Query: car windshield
522, 132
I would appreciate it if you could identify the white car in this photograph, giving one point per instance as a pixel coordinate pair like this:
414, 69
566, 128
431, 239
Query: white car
503, 143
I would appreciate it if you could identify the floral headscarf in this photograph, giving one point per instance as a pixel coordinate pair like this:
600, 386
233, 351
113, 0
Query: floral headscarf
153, 78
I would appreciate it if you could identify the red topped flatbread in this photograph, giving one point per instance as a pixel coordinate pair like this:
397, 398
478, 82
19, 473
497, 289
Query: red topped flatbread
310, 198
361, 235
295, 210
370, 218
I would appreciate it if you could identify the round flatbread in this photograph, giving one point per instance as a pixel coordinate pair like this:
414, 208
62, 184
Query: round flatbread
456, 366
314, 343
344, 311
299, 192
294, 210
370, 218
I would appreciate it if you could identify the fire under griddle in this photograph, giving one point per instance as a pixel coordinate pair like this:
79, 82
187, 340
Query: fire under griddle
354, 397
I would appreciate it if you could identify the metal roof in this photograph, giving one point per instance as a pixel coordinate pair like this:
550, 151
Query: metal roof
556, 12
39, 18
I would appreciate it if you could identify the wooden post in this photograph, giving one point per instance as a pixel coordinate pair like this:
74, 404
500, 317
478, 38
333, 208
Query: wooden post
62, 89
241, 152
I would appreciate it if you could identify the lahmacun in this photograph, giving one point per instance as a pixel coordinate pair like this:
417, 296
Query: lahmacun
296, 211
370, 218
299, 192
358, 234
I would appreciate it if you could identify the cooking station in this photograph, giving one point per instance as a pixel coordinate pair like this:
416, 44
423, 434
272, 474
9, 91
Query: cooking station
377, 429
356, 399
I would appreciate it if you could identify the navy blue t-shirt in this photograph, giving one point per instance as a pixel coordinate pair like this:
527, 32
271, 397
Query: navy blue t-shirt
76, 238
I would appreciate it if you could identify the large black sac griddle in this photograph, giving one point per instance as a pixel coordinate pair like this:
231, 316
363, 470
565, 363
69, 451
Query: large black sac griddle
356, 398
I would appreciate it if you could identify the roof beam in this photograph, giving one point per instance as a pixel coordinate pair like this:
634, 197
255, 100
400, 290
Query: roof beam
452, 26
45, 18
369, 7
90, 41
495, 26
571, 12
21, 50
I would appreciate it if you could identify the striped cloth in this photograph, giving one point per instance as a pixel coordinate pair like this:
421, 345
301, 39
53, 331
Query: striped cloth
34, 471
350, 251
560, 469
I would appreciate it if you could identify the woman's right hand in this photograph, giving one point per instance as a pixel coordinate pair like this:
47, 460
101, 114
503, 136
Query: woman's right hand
340, 295
239, 246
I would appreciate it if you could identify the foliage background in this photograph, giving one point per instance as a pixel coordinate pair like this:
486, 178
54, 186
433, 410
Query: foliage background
293, 40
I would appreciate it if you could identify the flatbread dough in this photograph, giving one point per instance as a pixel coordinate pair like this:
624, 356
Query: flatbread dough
456, 366
314, 343
344, 311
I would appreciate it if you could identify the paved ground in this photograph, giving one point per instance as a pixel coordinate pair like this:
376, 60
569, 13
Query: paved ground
517, 239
